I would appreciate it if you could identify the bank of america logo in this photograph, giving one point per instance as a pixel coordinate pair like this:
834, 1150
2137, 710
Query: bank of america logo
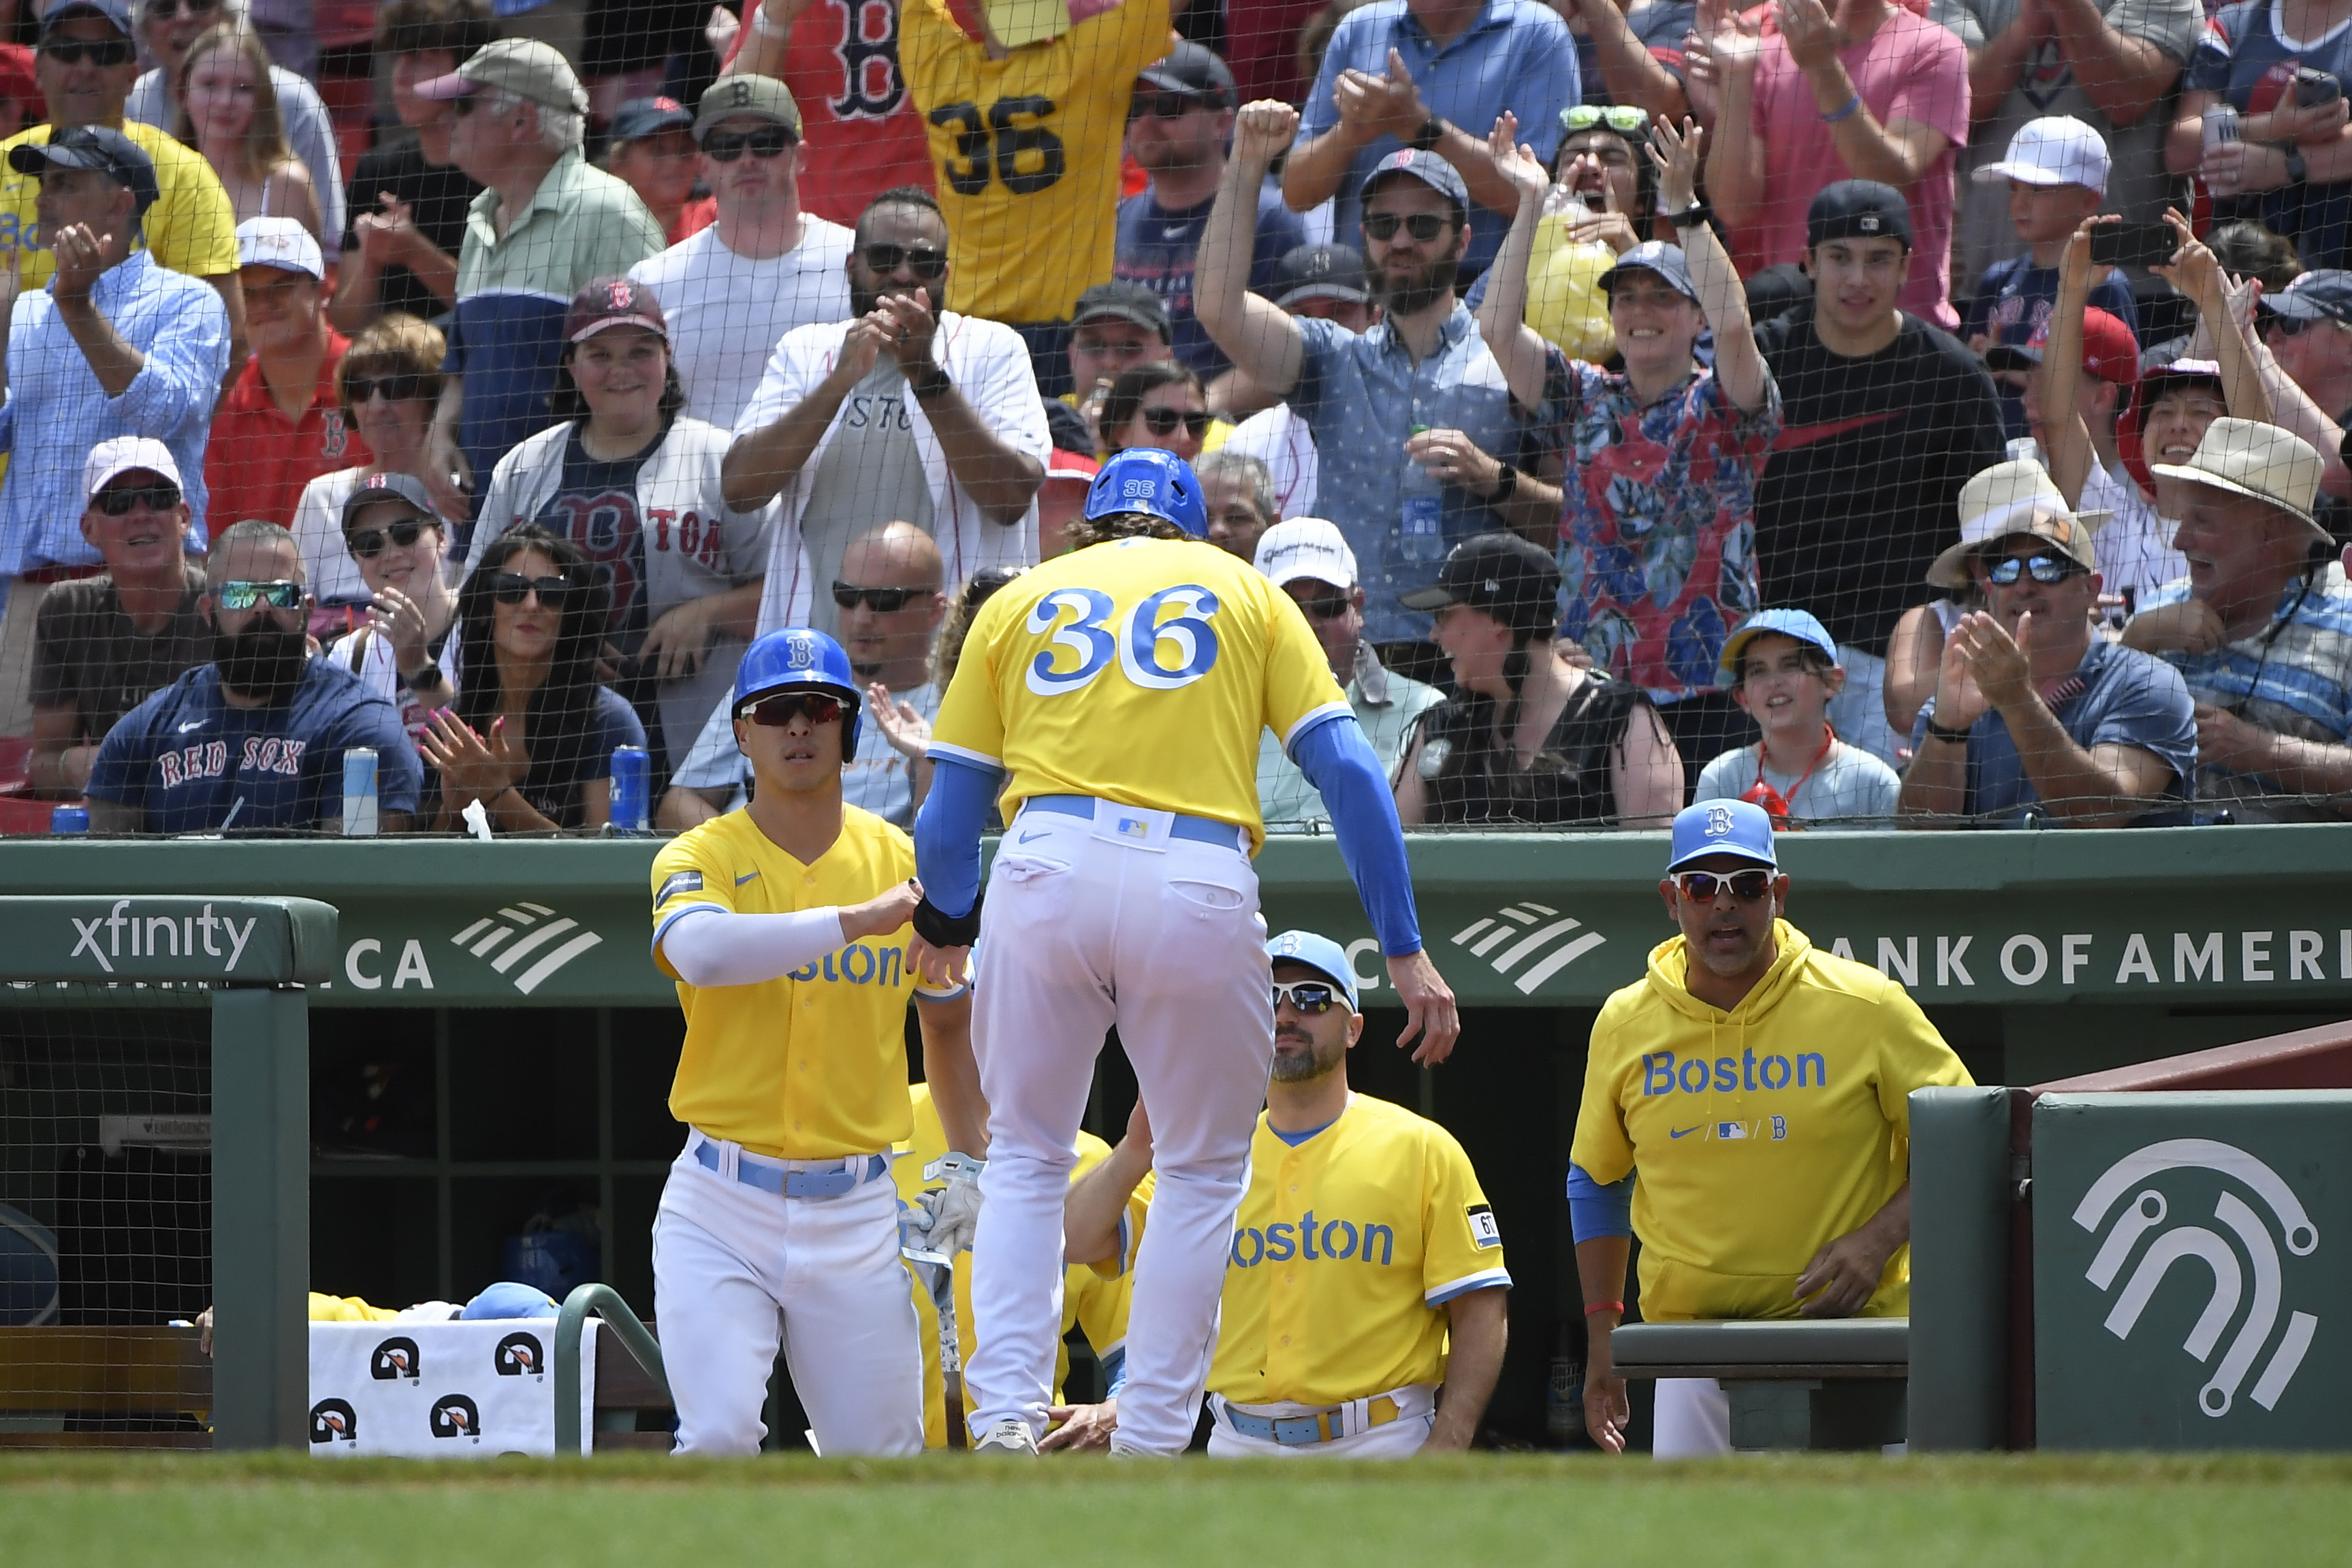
1527, 929
524, 931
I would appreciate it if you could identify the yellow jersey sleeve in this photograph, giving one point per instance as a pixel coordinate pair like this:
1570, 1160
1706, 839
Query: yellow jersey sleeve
1911, 1055
191, 228
1601, 1146
1026, 146
1462, 1247
688, 874
971, 726
1298, 682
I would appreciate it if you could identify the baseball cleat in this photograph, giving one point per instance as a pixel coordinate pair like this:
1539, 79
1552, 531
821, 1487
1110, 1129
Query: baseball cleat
1009, 1436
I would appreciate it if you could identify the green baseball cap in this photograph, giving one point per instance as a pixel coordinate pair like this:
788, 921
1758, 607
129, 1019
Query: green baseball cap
761, 97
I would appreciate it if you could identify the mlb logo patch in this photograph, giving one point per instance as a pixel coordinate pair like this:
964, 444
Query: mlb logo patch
1134, 828
1730, 1130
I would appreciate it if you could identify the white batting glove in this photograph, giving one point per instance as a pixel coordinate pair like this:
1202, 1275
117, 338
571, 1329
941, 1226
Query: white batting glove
946, 1214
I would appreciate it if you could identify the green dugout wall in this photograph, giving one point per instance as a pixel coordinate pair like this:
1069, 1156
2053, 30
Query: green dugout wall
514, 977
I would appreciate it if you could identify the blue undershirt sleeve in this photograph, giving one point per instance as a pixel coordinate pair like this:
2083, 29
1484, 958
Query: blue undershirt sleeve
948, 829
1594, 1210
1340, 762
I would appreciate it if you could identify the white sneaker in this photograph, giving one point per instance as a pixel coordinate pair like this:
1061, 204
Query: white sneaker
1009, 1436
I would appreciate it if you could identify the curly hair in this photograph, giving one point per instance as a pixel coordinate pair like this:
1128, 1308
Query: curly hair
947, 652
1085, 531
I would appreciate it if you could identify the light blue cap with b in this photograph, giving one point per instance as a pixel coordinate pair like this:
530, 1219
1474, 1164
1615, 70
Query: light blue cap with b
1722, 828
1319, 954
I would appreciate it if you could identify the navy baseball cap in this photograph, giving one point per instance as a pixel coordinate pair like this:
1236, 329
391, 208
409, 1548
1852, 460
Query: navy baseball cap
117, 12
1320, 272
1857, 209
1802, 624
2322, 295
1320, 954
1429, 169
1196, 70
388, 487
94, 146
1668, 261
1722, 828
643, 116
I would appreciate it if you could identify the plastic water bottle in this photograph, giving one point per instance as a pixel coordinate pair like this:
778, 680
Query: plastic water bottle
359, 792
632, 784
69, 819
1420, 513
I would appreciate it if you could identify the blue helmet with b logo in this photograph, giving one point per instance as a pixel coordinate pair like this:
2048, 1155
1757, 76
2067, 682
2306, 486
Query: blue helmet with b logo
798, 659
1158, 484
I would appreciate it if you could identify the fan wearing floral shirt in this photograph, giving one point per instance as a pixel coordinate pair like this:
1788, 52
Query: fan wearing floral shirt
1657, 546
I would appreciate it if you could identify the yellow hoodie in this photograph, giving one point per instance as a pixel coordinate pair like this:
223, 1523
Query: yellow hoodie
1760, 1133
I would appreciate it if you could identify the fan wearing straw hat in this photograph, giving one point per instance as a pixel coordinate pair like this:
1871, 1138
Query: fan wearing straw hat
2262, 630
2033, 715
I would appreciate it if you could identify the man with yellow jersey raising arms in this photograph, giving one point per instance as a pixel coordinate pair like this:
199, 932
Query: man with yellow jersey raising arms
1113, 697
1366, 1269
784, 925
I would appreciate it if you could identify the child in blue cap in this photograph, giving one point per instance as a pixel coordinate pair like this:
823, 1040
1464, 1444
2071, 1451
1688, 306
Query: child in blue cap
1785, 666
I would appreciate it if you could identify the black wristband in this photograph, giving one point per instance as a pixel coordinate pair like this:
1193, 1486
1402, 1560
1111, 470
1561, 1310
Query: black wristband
942, 929
930, 383
418, 679
1941, 732
1504, 487
2295, 171
1692, 217
1432, 132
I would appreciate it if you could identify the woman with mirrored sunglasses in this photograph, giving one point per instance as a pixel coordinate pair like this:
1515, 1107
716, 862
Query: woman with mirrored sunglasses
534, 730
633, 480
386, 385
1161, 404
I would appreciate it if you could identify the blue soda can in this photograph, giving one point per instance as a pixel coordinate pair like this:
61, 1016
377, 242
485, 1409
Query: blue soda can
632, 786
69, 819
359, 792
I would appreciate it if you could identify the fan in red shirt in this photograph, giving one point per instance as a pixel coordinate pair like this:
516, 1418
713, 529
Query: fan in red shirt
840, 57
264, 451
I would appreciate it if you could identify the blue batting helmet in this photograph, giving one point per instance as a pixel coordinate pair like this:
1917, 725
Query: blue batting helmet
1158, 484
798, 659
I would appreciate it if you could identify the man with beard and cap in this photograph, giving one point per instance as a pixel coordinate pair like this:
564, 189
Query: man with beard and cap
1418, 403
944, 430
1359, 1214
255, 739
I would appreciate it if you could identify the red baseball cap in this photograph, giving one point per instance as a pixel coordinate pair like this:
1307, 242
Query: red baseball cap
2110, 351
614, 302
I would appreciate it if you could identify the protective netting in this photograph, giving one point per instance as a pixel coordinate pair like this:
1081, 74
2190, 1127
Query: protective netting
921, 264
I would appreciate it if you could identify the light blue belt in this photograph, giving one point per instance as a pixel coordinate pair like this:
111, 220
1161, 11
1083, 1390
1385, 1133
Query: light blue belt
772, 1178
1297, 1431
1200, 830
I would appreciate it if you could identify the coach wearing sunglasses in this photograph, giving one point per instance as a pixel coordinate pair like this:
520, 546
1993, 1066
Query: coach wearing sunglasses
254, 740
906, 411
1759, 1087
2033, 713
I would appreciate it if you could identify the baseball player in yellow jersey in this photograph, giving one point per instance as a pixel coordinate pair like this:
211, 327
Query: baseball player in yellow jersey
1366, 1268
1092, 1300
1026, 145
1759, 1087
785, 925
1113, 697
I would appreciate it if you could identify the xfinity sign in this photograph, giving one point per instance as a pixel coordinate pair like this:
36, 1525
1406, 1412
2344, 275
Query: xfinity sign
169, 940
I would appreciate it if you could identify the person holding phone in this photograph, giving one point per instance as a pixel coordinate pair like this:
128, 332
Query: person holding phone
633, 483
2291, 163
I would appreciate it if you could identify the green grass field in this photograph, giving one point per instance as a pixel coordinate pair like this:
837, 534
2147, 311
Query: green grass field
1811, 1512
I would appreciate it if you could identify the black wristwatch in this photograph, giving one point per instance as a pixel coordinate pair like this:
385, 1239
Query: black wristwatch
1504, 487
1945, 732
930, 383
1692, 217
1432, 132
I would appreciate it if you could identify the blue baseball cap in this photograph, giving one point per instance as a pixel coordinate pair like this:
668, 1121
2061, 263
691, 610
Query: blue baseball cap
1722, 828
1802, 624
1668, 261
798, 659
1429, 169
1320, 954
510, 1298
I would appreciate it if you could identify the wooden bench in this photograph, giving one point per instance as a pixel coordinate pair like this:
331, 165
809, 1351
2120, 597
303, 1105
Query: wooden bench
1828, 1383
104, 1388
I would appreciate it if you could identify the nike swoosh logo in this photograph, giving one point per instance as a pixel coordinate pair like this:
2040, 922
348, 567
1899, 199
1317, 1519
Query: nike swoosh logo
1686, 1132
192, 724
1177, 231
745, 877
1026, 837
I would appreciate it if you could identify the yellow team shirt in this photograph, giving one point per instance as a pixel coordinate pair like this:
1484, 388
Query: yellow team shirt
1758, 1134
1139, 671
813, 1065
1026, 152
1346, 1250
1089, 1300
191, 228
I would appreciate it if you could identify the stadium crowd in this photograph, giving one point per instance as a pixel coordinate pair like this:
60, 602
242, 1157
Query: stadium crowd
1919, 412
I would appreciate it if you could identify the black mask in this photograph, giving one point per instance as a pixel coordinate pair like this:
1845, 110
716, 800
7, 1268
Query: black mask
261, 661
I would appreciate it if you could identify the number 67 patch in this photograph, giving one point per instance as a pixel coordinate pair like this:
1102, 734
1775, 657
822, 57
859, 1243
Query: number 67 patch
1483, 1228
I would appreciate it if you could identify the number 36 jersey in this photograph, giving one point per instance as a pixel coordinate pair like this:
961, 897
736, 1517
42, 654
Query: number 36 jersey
1142, 672
1026, 149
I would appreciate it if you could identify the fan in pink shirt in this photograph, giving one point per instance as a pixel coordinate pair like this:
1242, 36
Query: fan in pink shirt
1807, 96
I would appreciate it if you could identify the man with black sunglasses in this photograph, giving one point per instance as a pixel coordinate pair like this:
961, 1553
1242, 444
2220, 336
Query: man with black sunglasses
253, 740
2033, 713
906, 411
763, 267
1759, 1086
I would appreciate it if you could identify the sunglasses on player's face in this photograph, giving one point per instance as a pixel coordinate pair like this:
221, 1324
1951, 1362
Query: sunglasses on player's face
776, 712
366, 544
882, 600
1706, 886
768, 141
513, 588
929, 266
1164, 421
2046, 569
281, 595
1312, 997
122, 500
1422, 226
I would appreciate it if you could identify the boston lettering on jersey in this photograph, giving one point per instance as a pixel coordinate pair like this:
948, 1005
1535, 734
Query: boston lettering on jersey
859, 966
1662, 1075
1334, 1240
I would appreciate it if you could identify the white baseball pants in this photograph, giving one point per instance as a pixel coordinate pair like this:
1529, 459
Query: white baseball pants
1693, 1419
1162, 938
1398, 1440
734, 1266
